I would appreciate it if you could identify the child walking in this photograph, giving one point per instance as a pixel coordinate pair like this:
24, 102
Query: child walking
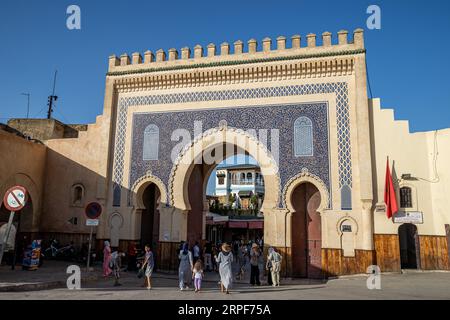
197, 275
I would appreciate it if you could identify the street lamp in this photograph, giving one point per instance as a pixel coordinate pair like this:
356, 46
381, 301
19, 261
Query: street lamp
28, 105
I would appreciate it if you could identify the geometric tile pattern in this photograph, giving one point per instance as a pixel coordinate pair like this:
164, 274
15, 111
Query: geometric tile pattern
343, 118
303, 137
272, 124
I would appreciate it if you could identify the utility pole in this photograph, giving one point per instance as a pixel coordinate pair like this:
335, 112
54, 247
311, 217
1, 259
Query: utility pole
52, 98
28, 105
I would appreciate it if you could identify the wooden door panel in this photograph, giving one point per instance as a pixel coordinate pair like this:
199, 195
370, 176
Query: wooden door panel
306, 233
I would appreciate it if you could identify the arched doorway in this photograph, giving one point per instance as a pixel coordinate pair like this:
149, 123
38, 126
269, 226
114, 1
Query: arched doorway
194, 165
409, 246
306, 232
151, 198
239, 220
233, 141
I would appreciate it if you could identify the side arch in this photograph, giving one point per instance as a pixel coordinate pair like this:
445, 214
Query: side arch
141, 184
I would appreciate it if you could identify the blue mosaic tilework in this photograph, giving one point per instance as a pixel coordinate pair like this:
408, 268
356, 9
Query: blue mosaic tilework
279, 117
339, 88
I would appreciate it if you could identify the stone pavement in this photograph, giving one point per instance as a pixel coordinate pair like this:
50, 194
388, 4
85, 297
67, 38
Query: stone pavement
411, 286
52, 274
49, 282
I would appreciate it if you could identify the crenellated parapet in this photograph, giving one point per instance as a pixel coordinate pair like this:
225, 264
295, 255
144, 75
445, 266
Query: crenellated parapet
240, 53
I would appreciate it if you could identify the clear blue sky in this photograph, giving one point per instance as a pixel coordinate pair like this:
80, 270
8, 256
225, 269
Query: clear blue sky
408, 58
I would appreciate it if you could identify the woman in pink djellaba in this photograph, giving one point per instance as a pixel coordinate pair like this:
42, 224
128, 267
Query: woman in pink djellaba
106, 259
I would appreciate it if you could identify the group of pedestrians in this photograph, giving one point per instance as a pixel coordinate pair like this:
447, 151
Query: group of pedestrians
112, 262
223, 257
194, 263
192, 267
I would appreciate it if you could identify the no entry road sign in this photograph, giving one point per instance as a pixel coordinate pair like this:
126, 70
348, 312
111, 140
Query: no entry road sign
93, 210
15, 198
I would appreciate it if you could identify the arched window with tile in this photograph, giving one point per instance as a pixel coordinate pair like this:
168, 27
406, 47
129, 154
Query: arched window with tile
151, 142
303, 137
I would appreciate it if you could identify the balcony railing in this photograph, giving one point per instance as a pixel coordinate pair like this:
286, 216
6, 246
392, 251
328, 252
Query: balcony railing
247, 182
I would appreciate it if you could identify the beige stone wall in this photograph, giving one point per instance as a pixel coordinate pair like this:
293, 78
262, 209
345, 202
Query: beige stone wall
45, 129
424, 155
22, 162
70, 162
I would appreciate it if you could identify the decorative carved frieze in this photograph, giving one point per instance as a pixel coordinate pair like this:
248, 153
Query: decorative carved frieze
245, 74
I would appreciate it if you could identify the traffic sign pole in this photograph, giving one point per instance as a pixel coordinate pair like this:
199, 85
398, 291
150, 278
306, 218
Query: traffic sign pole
6, 236
89, 249
13, 266
92, 212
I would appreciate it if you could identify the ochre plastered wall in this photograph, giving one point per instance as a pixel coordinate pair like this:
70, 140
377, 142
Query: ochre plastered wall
22, 162
424, 155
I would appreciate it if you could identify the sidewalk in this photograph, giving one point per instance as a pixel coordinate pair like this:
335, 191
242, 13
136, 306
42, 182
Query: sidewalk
215, 277
52, 274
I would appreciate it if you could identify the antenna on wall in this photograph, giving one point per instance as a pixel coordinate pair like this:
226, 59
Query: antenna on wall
52, 98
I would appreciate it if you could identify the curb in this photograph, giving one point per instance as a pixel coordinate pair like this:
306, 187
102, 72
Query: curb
419, 271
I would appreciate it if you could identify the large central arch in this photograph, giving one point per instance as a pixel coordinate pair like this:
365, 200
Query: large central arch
216, 138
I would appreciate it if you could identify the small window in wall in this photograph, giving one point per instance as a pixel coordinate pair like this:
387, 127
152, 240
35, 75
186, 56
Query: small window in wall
303, 137
406, 197
77, 195
249, 176
151, 142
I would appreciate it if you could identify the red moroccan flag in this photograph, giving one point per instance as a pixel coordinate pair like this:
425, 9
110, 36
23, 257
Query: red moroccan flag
390, 198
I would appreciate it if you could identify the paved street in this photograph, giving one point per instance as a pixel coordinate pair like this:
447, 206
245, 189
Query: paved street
435, 285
